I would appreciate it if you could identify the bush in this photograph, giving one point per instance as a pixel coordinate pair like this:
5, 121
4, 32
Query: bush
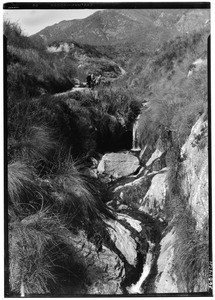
15, 36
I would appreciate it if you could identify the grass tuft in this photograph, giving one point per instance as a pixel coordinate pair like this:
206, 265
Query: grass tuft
39, 255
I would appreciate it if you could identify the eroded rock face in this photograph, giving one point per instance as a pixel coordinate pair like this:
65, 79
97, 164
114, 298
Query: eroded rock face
118, 164
195, 170
154, 200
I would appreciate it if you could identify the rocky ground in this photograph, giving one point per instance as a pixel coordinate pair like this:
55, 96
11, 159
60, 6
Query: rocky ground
141, 245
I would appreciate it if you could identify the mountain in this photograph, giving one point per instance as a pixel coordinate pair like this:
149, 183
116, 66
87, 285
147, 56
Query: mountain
147, 27
125, 36
107, 27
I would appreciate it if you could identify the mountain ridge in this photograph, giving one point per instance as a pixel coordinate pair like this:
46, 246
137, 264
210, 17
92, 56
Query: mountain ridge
115, 26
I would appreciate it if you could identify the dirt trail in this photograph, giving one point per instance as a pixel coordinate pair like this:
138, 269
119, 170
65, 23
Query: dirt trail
86, 90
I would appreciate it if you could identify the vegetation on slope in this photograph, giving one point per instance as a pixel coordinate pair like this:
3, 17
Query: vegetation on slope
50, 141
31, 71
174, 102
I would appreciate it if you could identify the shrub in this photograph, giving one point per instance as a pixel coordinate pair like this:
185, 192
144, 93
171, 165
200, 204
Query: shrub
15, 36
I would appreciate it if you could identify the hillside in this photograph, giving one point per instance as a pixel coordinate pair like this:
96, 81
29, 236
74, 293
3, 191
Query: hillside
108, 183
125, 25
102, 28
122, 33
86, 59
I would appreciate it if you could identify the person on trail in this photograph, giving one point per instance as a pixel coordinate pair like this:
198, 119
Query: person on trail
98, 79
93, 81
89, 79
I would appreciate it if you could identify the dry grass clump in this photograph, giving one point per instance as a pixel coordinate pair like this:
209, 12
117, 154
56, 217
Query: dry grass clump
25, 195
42, 214
78, 196
37, 253
191, 254
37, 146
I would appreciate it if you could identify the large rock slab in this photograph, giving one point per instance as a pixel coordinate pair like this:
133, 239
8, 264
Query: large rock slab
123, 240
154, 200
118, 165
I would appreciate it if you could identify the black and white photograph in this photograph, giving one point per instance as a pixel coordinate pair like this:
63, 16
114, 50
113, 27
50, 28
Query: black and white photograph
107, 157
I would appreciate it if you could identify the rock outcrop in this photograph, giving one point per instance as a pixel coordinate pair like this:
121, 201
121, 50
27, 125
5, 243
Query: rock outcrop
108, 268
154, 200
194, 185
195, 168
118, 165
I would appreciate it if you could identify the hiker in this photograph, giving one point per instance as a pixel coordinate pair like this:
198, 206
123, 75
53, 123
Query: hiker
89, 79
98, 79
93, 79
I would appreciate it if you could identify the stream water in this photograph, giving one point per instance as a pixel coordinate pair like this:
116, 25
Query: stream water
135, 142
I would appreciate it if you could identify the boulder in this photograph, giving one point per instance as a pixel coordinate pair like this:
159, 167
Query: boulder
154, 200
118, 165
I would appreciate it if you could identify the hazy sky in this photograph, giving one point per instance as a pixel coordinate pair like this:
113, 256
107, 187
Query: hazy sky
32, 21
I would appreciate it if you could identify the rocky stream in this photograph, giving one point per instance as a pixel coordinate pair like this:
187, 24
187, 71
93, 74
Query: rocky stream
139, 256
